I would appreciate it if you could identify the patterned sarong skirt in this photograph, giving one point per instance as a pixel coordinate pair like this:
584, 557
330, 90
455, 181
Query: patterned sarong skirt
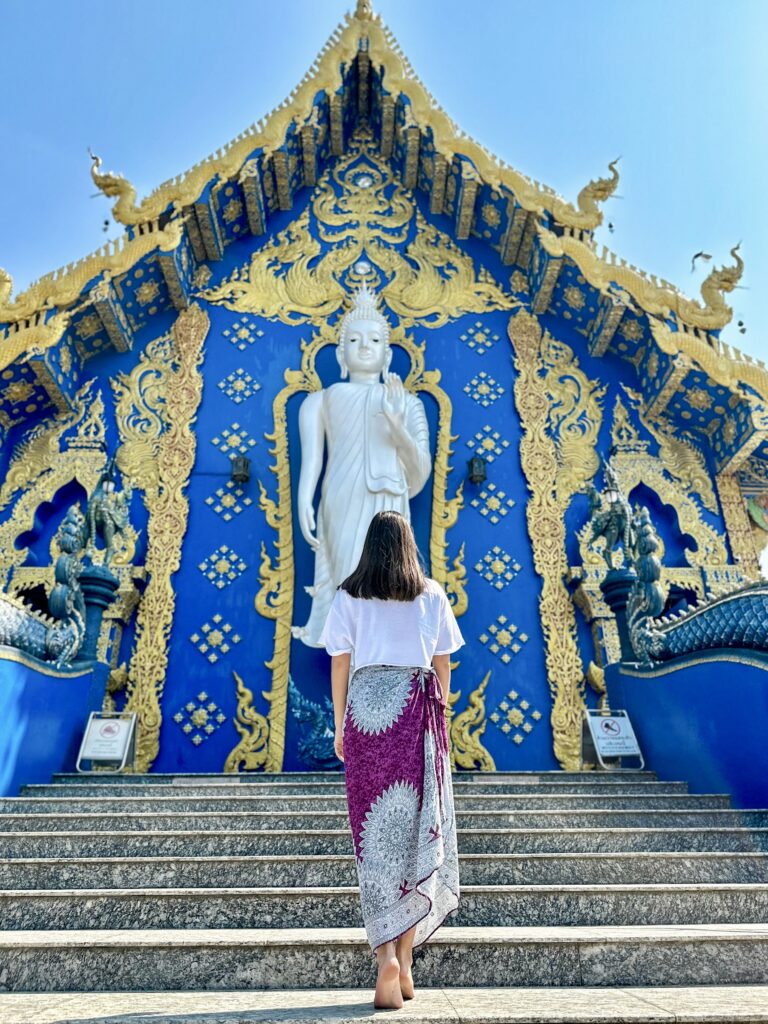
400, 799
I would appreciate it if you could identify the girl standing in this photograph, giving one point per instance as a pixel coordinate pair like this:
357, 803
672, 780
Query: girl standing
390, 632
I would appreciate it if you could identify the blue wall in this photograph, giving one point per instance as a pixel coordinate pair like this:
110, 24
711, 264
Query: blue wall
705, 720
42, 719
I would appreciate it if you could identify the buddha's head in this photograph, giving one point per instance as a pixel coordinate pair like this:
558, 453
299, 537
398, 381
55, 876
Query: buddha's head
364, 340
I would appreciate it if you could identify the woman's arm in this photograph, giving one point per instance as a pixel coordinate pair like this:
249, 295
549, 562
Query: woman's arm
442, 666
339, 684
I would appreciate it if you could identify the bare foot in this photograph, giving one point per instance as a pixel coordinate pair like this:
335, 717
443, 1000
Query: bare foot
388, 995
405, 958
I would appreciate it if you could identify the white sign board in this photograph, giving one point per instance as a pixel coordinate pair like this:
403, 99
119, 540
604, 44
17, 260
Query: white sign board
107, 739
613, 736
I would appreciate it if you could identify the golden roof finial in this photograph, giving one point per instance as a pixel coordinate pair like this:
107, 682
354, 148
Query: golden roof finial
364, 10
6, 286
598, 190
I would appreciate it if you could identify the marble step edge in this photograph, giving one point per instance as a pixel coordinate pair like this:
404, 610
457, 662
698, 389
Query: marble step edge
311, 788
251, 778
718, 812
593, 889
673, 799
342, 858
270, 833
485, 937
692, 1005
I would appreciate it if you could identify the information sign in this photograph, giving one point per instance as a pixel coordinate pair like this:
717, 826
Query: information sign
611, 737
108, 741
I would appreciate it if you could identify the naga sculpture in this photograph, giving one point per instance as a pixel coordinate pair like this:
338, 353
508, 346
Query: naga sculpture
60, 637
737, 619
315, 747
610, 516
646, 598
108, 513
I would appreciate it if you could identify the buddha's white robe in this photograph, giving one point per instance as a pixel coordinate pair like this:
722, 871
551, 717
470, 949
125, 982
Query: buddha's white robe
363, 475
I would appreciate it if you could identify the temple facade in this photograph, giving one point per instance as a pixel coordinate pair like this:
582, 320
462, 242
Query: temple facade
155, 387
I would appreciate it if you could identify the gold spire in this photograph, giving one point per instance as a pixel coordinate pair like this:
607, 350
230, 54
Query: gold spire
364, 10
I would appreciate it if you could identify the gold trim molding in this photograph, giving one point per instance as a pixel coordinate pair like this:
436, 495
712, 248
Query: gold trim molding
560, 416
156, 410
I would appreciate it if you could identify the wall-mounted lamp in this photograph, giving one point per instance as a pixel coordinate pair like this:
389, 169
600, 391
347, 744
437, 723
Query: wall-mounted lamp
241, 469
477, 472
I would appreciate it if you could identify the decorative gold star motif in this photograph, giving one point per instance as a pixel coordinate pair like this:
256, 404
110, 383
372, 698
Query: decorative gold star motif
483, 389
222, 567
492, 503
239, 385
243, 333
512, 714
232, 210
699, 399
498, 568
87, 326
478, 338
234, 440
216, 640
490, 215
229, 501
487, 443
147, 292
200, 718
574, 297
631, 329
504, 638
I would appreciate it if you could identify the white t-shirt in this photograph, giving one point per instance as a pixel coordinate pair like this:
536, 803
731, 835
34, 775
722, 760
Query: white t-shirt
377, 632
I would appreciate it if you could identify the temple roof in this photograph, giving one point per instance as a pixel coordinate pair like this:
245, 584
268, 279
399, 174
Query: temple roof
49, 331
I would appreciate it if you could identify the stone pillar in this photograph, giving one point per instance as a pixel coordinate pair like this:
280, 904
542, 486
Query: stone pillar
99, 588
615, 589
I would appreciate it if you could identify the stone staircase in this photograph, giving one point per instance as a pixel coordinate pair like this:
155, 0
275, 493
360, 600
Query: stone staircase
585, 897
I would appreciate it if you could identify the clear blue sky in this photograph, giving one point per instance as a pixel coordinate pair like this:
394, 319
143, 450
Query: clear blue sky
678, 88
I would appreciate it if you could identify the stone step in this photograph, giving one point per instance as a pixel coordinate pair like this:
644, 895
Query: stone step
714, 1005
252, 821
254, 959
339, 870
338, 907
711, 1004
591, 783
256, 803
295, 843
258, 778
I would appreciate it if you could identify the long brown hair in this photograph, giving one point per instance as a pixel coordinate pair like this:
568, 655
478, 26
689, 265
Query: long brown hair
390, 567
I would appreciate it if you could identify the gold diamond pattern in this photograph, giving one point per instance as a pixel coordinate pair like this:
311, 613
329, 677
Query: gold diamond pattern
222, 566
239, 385
243, 332
229, 501
503, 639
492, 503
234, 440
513, 717
498, 568
215, 639
478, 338
488, 443
483, 389
200, 718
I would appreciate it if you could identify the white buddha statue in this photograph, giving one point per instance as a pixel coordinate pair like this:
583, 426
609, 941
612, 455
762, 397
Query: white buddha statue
376, 438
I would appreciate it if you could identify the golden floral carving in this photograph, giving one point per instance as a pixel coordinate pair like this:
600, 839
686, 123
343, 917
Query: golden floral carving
560, 415
681, 459
737, 525
251, 752
466, 729
295, 279
156, 408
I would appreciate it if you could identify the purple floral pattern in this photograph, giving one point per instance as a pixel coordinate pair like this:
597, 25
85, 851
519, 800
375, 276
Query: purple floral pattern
400, 800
